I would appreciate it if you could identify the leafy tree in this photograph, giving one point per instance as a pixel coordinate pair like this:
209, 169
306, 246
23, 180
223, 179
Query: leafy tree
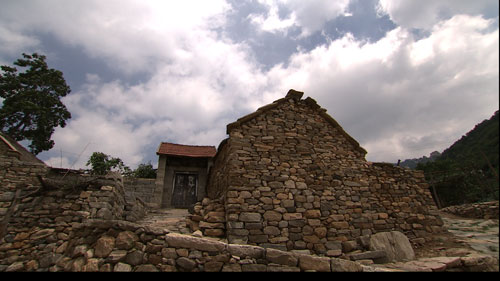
32, 105
467, 171
145, 171
102, 164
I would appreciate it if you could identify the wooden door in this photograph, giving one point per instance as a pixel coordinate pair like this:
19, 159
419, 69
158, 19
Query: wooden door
184, 193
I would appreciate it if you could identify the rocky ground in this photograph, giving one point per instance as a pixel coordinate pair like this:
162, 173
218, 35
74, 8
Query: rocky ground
468, 238
481, 235
464, 236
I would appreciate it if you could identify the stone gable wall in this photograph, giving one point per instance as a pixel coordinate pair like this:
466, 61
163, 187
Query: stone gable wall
294, 181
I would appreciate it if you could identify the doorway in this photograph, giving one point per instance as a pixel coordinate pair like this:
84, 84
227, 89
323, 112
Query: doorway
185, 190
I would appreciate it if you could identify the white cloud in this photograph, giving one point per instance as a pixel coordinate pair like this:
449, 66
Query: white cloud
10, 42
310, 16
198, 82
425, 13
398, 99
130, 36
189, 99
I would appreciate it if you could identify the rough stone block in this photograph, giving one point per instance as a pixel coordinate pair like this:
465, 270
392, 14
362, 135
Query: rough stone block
281, 257
250, 217
308, 262
395, 244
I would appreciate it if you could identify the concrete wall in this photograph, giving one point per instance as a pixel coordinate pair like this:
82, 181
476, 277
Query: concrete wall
144, 189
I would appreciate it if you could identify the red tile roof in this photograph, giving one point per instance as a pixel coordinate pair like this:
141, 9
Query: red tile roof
186, 150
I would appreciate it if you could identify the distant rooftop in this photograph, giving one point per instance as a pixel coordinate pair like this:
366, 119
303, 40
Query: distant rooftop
174, 149
14, 147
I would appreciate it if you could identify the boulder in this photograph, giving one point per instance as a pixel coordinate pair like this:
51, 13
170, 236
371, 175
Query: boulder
104, 246
396, 245
340, 265
126, 240
309, 262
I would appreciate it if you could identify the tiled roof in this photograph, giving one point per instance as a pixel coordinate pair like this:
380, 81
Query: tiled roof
167, 148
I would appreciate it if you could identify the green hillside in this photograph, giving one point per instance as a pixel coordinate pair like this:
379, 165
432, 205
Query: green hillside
468, 170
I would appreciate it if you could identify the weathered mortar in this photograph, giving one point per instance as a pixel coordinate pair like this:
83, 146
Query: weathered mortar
291, 178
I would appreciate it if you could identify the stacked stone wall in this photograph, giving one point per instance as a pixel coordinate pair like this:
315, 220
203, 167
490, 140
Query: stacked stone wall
483, 210
17, 179
37, 217
110, 245
120, 246
295, 181
218, 177
208, 217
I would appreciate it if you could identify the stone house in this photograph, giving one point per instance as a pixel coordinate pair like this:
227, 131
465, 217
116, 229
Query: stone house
182, 174
11, 148
289, 177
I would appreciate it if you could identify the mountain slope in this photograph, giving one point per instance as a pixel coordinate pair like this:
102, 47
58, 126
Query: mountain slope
467, 171
478, 146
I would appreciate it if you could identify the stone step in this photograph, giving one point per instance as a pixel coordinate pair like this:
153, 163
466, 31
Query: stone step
170, 219
368, 255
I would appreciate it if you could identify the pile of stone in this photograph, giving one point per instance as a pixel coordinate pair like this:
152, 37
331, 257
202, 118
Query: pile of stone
208, 218
484, 210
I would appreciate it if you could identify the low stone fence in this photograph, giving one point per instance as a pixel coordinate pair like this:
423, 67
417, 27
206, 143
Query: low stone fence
111, 245
485, 210
121, 246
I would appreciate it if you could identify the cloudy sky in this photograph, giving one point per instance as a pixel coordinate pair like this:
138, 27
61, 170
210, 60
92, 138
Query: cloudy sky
404, 78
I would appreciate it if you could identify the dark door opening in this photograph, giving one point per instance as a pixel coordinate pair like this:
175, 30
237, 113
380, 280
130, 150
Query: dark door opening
184, 193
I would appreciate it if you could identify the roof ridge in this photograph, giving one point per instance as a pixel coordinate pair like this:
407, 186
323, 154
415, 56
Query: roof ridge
187, 144
168, 148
